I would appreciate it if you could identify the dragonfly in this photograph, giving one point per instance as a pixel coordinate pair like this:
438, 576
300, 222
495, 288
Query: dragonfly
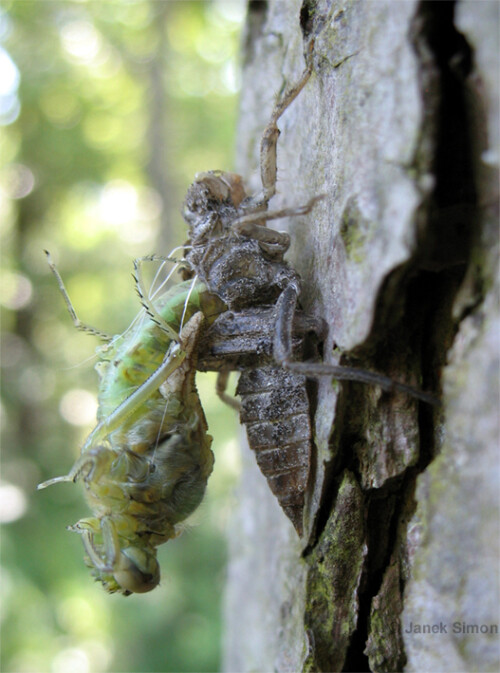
146, 464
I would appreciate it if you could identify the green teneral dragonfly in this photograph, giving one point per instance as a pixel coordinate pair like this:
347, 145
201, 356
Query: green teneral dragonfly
146, 464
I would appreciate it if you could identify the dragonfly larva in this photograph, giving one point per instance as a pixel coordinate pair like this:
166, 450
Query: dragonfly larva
241, 261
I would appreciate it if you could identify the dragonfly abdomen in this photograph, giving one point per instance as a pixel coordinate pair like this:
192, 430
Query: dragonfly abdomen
275, 410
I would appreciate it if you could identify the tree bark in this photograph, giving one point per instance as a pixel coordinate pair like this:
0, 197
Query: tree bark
398, 127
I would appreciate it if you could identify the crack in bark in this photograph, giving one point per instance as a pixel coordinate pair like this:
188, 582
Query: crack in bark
453, 170
424, 321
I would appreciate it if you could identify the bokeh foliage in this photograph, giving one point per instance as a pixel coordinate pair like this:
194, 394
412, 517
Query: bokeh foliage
112, 108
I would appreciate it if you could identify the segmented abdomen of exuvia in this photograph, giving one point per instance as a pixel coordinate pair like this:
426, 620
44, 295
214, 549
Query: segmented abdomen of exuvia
275, 410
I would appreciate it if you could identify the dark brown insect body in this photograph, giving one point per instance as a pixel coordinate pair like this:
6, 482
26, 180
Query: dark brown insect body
241, 260
274, 401
275, 410
248, 272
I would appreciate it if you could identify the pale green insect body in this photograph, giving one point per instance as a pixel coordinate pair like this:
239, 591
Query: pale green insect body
146, 464
125, 364
142, 497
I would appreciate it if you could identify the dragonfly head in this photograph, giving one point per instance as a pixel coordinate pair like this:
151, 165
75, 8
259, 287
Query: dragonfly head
120, 565
209, 192
137, 572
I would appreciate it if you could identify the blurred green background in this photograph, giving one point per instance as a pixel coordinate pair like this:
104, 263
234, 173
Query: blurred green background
107, 110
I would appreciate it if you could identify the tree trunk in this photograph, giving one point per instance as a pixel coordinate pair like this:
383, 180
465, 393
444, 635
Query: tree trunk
398, 127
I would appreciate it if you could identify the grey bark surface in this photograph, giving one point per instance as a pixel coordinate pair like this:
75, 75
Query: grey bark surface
398, 127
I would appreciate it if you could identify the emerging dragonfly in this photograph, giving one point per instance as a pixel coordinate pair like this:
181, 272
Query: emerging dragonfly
146, 464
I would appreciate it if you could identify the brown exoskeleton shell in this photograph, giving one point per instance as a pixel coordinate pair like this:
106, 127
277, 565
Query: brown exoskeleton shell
274, 401
250, 272
240, 259
275, 410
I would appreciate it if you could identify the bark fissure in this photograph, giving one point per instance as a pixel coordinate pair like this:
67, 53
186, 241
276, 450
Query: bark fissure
420, 323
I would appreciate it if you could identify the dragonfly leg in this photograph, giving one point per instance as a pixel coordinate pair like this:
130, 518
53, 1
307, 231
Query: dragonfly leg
268, 145
250, 225
111, 547
221, 387
88, 329
147, 302
282, 351
85, 467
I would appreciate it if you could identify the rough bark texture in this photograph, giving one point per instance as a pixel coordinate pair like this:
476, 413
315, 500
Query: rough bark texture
398, 126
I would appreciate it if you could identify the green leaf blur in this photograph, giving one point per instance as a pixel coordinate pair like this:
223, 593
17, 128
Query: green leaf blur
107, 110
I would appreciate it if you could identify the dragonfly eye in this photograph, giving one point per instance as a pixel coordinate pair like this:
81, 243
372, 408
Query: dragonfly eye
138, 571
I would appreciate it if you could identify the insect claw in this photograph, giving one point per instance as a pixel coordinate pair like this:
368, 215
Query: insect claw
54, 480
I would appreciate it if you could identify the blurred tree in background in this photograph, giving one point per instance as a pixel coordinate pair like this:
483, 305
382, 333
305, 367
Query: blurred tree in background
107, 110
